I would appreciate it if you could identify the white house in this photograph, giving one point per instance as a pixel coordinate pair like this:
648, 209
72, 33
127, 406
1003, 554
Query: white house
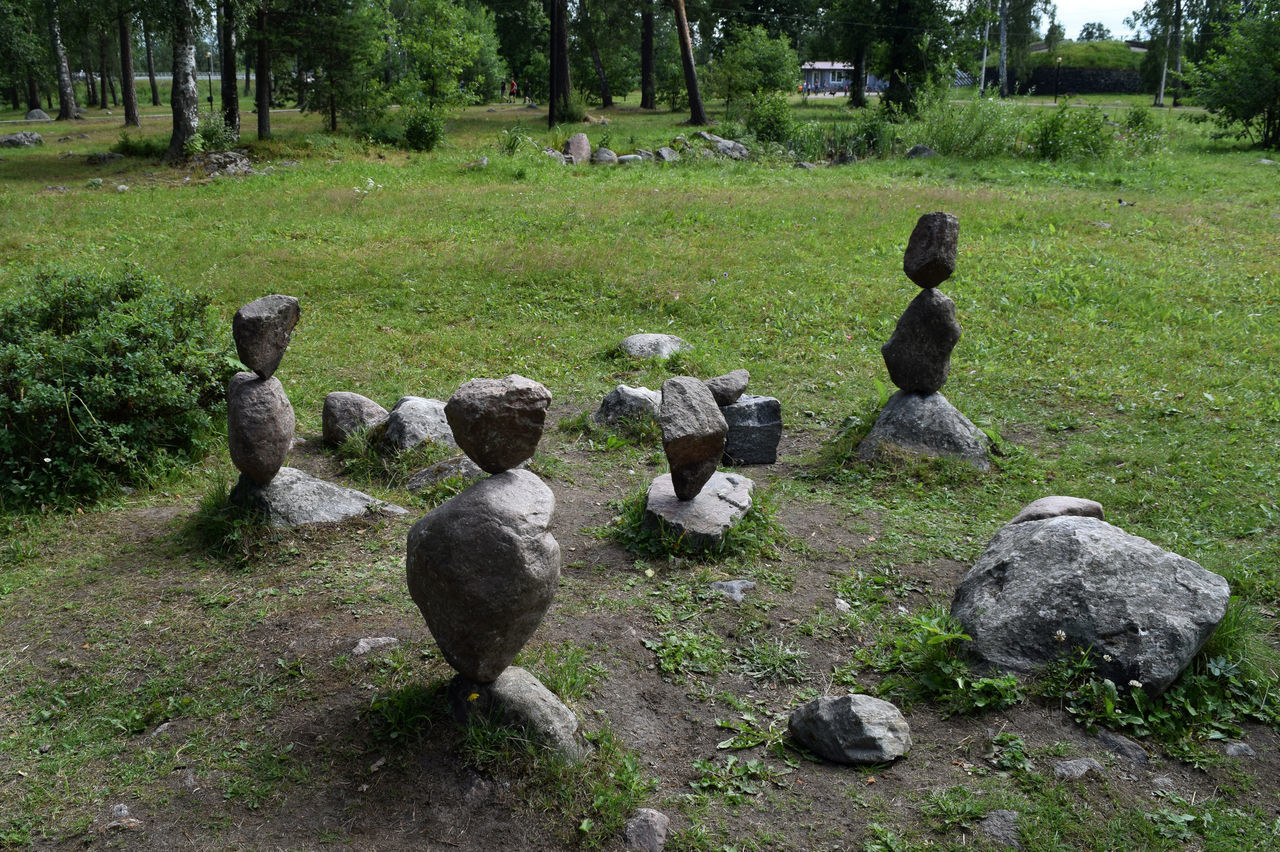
826, 76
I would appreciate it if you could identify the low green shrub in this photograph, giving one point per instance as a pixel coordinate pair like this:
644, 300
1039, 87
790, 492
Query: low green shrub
757, 533
1071, 133
104, 381
423, 128
127, 146
768, 117
212, 134
982, 127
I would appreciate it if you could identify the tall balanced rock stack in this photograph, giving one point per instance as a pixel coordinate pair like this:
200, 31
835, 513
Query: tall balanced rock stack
260, 428
918, 419
694, 501
483, 567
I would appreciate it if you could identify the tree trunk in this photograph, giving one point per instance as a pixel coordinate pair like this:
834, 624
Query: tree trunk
127, 89
227, 47
186, 94
333, 108
262, 93
151, 64
558, 103
858, 85
1177, 53
1004, 48
33, 93
103, 71
648, 89
248, 65
15, 97
67, 108
90, 81
606, 96
1164, 71
986, 40
697, 115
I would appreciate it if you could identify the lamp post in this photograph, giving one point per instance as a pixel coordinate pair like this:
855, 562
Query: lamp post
1057, 75
208, 54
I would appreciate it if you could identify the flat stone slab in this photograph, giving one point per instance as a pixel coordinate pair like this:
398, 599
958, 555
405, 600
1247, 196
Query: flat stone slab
1058, 506
703, 521
926, 425
458, 467
755, 428
296, 499
520, 700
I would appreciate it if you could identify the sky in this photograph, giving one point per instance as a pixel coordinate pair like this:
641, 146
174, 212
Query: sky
1074, 14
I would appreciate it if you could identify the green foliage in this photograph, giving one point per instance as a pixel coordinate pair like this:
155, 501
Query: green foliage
686, 652
1071, 133
769, 118
564, 669
1141, 130
757, 533
153, 148
1240, 82
1100, 55
1094, 31
104, 380
922, 656
406, 714
752, 63
225, 529
212, 135
981, 127
362, 459
772, 659
423, 128
733, 781
1008, 752
867, 133
951, 809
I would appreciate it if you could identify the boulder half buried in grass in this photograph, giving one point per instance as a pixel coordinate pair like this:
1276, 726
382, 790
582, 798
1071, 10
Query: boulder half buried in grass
294, 499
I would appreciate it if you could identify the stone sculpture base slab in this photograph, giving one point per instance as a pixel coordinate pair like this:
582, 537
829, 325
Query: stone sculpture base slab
520, 700
926, 425
296, 499
703, 521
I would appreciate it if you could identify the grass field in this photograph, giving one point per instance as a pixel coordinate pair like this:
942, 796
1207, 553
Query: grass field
1120, 324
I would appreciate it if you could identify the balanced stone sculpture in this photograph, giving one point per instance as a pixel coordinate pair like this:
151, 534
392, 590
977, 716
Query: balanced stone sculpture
260, 423
694, 502
918, 419
483, 567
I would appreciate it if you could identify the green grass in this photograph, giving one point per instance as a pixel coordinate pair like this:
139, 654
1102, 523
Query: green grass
1124, 353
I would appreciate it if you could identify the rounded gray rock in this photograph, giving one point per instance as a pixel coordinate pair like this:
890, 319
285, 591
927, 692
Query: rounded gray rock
857, 729
498, 422
22, 139
1055, 507
520, 700
693, 434
653, 345
259, 426
1044, 587
294, 499
926, 425
627, 403
918, 353
646, 831
930, 257
577, 149
261, 330
346, 413
727, 388
603, 157
414, 419
483, 569
37, 115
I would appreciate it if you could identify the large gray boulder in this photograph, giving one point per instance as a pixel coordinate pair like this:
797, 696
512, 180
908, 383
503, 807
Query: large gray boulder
693, 433
498, 422
727, 388
755, 428
930, 257
577, 149
653, 345
483, 569
37, 115
627, 403
857, 729
261, 330
25, 139
414, 419
1045, 586
918, 353
604, 157
293, 499
259, 425
699, 524
346, 413
926, 425
517, 699
666, 155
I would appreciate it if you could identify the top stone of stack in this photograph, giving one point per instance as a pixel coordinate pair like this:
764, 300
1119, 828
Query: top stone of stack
930, 257
261, 330
498, 422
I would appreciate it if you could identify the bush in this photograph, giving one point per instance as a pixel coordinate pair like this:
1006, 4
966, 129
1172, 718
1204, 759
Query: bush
868, 134
979, 128
212, 135
423, 128
1071, 133
769, 117
1141, 131
127, 146
103, 380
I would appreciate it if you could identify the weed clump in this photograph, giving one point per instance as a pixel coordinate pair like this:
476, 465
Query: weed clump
104, 381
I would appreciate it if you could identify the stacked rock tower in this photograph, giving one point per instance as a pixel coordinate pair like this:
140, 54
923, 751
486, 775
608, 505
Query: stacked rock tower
483, 567
695, 502
259, 416
918, 419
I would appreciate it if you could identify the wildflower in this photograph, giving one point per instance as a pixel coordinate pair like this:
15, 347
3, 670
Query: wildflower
1059, 636
1136, 684
47, 459
1106, 658
473, 696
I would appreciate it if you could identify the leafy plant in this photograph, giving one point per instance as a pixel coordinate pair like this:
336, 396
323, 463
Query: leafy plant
772, 659
769, 118
1008, 751
363, 460
1071, 133
564, 669
225, 528
682, 653
757, 533
423, 127
212, 135
104, 381
952, 808
733, 780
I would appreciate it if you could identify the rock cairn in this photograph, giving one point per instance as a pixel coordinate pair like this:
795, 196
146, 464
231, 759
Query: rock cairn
918, 419
483, 567
260, 424
694, 501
